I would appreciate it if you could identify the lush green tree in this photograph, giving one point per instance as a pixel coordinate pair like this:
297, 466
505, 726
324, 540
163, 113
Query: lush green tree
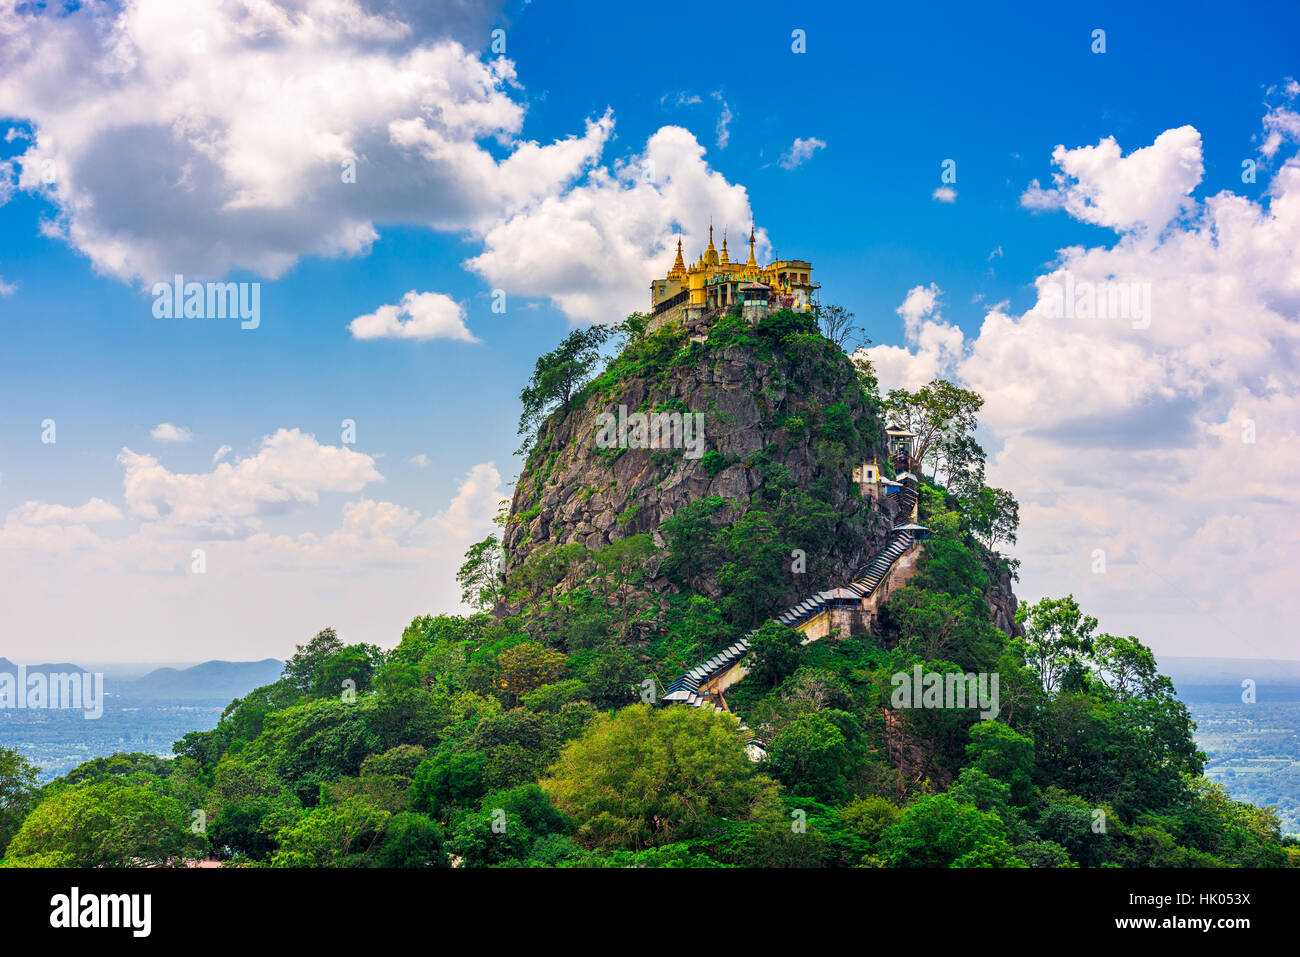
692, 538
935, 624
1044, 854
1004, 754
987, 793
1128, 669
17, 793
1132, 755
1239, 834
810, 755
242, 720
642, 777
397, 762
559, 374
447, 779
1083, 829
351, 668
613, 676
947, 565
1058, 641
303, 670
938, 413
775, 652
480, 576
108, 824
622, 566
869, 816
525, 667
240, 829
993, 515
938, 831
122, 766
530, 804
412, 840
318, 740
332, 835
551, 698
753, 573
488, 838
959, 459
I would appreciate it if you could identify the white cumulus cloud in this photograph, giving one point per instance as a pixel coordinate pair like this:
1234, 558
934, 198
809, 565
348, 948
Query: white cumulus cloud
593, 250
420, 315
41, 513
1141, 191
207, 137
289, 469
1167, 444
166, 432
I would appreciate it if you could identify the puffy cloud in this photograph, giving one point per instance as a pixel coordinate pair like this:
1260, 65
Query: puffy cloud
1141, 191
932, 345
1163, 445
206, 137
249, 135
420, 315
261, 593
290, 468
470, 513
593, 250
1280, 124
944, 194
391, 535
40, 513
800, 151
420, 461
166, 432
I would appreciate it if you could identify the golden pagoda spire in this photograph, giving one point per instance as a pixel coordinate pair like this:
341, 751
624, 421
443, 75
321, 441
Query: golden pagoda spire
726, 259
679, 267
753, 263
710, 254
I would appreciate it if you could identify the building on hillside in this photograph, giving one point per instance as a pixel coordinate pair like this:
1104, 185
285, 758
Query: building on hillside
693, 295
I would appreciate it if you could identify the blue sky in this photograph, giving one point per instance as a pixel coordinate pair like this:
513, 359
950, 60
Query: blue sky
187, 166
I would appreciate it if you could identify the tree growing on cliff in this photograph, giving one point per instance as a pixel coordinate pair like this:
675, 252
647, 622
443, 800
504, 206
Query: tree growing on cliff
993, 515
559, 374
940, 413
838, 326
1058, 640
480, 576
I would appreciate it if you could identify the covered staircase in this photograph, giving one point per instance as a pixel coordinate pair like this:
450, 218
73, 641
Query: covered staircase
692, 687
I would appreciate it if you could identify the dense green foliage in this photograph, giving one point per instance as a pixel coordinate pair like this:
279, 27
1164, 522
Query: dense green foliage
532, 739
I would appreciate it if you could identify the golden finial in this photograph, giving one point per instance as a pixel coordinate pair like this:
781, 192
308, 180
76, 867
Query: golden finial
679, 267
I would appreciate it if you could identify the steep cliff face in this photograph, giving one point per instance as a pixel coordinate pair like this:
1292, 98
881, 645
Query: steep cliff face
785, 421
782, 417
1002, 600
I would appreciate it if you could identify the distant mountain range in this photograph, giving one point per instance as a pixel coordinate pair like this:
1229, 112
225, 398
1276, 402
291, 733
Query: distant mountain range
211, 681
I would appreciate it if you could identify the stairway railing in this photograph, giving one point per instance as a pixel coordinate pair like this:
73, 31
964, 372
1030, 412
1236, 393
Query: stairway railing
686, 688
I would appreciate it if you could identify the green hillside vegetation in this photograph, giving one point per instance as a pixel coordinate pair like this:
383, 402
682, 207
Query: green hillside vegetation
530, 734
